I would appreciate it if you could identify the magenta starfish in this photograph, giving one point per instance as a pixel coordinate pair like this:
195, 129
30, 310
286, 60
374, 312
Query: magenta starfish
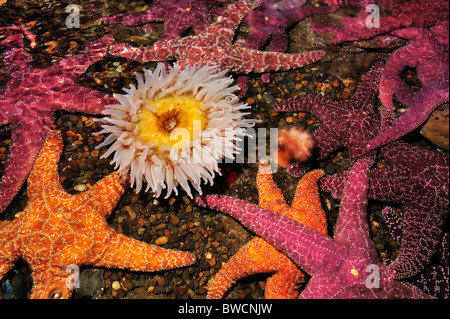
344, 267
31, 97
213, 46
270, 21
435, 278
178, 15
398, 14
344, 124
417, 179
431, 62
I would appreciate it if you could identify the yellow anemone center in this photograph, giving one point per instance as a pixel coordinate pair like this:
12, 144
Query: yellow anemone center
177, 120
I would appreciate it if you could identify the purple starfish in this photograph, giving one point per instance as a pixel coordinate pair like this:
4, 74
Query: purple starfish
344, 124
178, 15
398, 14
214, 46
418, 180
344, 267
269, 23
434, 279
431, 62
32, 96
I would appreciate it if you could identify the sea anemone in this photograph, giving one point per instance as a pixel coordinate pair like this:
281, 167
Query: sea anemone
174, 127
294, 144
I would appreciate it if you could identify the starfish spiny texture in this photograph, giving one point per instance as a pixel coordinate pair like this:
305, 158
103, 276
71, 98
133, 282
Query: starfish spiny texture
214, 46
31, 97
346, 266
270, 21
344, 124
435, 278
418, 180
57, 231
397, 14
431, 62
258, 256
178, 16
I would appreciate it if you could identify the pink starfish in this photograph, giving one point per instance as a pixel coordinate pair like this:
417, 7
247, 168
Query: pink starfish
32, 96
346, 266
431, 62
178, 15
350, 124
398, 14
270, 21
213, 46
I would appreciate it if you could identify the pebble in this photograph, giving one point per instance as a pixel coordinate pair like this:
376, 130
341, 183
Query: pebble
80, 187
116, 285
161, 240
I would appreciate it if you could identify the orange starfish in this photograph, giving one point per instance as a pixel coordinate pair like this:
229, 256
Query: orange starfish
258, 256
58, 232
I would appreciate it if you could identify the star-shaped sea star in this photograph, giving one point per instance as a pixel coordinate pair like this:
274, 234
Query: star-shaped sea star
344, 267
57, 232
214, 46
270, 21
258, 256
431, 62
397, 15
31, 97
178, 16
344, 124
417, 179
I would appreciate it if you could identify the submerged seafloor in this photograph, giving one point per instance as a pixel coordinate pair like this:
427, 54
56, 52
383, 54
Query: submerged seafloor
212, 236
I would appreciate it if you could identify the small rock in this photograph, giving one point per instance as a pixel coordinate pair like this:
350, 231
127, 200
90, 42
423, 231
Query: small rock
174, 220
80, 187
116, 285
161, 240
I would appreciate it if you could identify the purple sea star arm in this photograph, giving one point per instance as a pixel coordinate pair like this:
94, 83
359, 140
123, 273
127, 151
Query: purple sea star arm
423, 103
154, 13
260, 61
314, 104
308, 248
160, 51
81, 99
27, 139
233, 15
367, 92
15, 57
417, 247
400, 14
427, 205
352, 228
78, 64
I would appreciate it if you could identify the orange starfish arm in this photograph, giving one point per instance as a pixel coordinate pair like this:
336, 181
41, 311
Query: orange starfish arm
104, 195
258, 256
7, 251
126, 252
270, 196
45, 175
53, 282
307, 199
306, 207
